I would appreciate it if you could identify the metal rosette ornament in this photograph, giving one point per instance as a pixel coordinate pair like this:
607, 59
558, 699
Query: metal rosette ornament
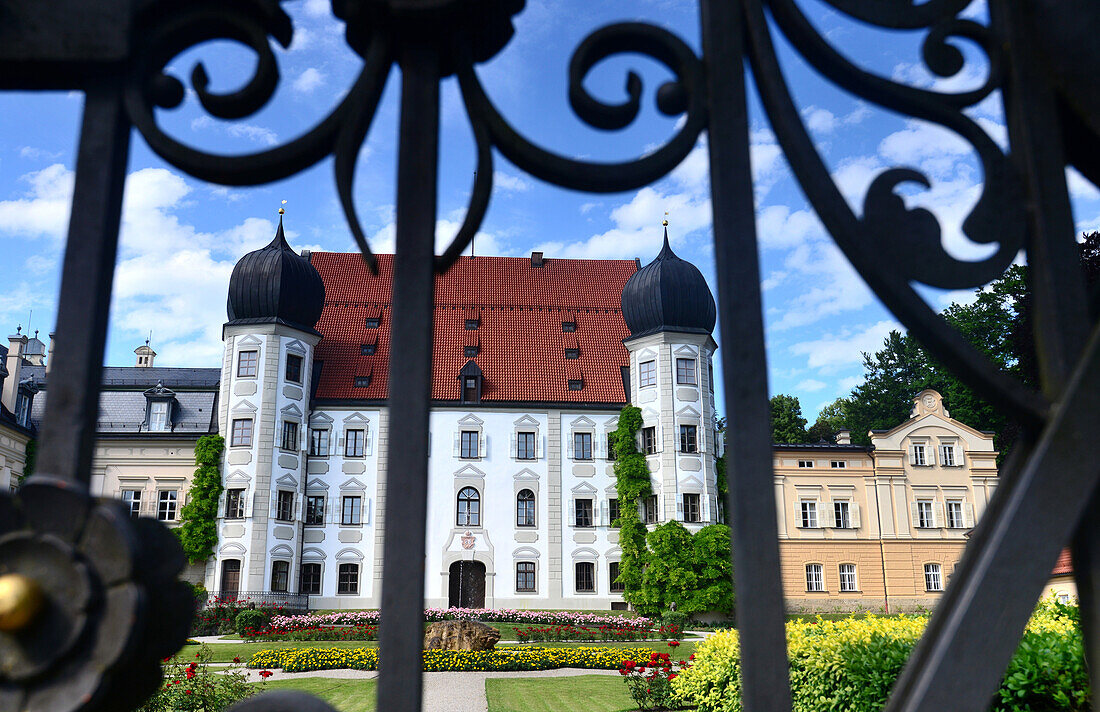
90, 601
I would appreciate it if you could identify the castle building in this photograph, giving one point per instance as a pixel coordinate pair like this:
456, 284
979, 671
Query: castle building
533, 360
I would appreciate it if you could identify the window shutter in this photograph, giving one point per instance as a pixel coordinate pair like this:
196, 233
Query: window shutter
274, 506
569, 446
221, 504
368, 436
366, 510
968, 514
482, 444
458, 443
937, 514
339, 438
248, 503
598, 445
603, 513
798, 513
912, 455
915, 516
297, 508
853, 514
660, 438
680, 508
513, 450
538, 447
331, 505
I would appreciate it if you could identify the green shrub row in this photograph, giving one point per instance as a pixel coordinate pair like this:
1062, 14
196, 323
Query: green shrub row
852, 664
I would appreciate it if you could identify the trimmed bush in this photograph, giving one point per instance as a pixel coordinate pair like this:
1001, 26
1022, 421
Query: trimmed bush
250, 621
852, 665
675, 619
306, 659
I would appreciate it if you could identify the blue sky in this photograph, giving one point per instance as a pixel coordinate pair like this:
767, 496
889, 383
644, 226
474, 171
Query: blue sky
181, 236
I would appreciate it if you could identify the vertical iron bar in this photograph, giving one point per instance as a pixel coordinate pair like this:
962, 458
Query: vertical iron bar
751, 491
1059, 303
401, 638
68, 431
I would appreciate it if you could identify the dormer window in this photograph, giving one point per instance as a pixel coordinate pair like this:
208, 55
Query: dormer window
159, 405
472, 324
362, 381
576, 384
568, 326
572, 353
158, 415
372, 322
470, 379
367, 349
470, 351
23, 408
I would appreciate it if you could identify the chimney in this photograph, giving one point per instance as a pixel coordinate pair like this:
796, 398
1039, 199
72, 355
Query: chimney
49, 353
16, 343
844, 437
536, 259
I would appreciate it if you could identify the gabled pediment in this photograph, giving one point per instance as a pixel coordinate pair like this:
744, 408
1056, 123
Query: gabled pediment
525, 474
249, 340
583, 488
320, 419
296, 347
292, 411
526, 421
352, 484
650, 416
287, 481
691, 482
356, 418
687, 412
686, 350
583, 422
471, 419
316, 484
612, 491
611, 423
237, 477
646, 353
244, 407
469, 471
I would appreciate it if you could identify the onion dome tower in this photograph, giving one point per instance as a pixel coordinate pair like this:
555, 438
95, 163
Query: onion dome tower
668, 294
276, 285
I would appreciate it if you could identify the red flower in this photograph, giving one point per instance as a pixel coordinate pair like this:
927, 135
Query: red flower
673, 643
623, 672
672, 676
265, 674
187, 692
236, 659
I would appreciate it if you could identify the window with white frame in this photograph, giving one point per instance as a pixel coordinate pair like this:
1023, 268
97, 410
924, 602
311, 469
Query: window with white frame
132, 499
158, 415
691, 508
290, 436
280, 576
353, 442
166, 505
582, 509
955, 513
469, 508
689, 438
612, 510
284, 506
318, 442
582, 446
933, 577
647, 374
809, 513
918, 454
649, 440
848, 578
613, 582
651, 509
309, 581
241, 433
525, 508
525, 445
924, 514
315, 509
842, 515
248, 364
525, 576
815, 578
805, 463
352, 513
234, 503
585, 577
838, 464
685, 371
947, 454
348, 579
468, 448
293, 371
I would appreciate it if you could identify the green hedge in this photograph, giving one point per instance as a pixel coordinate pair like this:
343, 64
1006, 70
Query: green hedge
852, 664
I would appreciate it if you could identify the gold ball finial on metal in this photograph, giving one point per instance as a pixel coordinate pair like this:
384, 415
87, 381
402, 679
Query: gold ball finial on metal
21, 599
282, 209
665, 221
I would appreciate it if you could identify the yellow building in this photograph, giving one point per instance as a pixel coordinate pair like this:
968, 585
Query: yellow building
881, 528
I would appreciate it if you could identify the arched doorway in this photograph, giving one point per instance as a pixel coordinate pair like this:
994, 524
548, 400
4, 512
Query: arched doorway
467, 584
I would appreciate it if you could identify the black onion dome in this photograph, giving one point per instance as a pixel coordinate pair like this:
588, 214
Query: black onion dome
668, 294
274, 284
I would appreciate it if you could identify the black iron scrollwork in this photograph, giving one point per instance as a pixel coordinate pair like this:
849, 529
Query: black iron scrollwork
96, 601
908, 242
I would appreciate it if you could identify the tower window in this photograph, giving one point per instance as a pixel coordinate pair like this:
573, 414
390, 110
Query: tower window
241, 435
647, 374
685, 371
293, 368
247, 364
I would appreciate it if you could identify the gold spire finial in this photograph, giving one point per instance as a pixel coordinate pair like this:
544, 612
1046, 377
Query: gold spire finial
665, 221
281, 209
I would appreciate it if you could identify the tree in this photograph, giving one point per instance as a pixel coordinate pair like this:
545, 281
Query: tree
198, 530
788, 425
891, 378
830, 420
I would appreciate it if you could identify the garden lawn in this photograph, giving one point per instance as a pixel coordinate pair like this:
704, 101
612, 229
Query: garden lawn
344, 695
584, 693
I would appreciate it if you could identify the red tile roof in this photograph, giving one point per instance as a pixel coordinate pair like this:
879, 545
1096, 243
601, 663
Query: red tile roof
520, 308
1064, 566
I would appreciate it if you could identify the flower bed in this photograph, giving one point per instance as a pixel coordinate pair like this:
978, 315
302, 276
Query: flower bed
605, 633
355, 632
521, 659
219, 616
486, 615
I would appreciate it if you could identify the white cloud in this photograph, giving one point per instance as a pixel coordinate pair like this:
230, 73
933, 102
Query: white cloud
41, 264
819, 120
317, 8
844, 348
258, 134
810, 385
43, 211
779, 228
833, 286
38, 154
302, 38
509, 183
308, 81
383, 240
847, 384
587, 207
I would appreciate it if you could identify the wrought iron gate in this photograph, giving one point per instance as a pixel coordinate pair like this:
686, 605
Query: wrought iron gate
112, 609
